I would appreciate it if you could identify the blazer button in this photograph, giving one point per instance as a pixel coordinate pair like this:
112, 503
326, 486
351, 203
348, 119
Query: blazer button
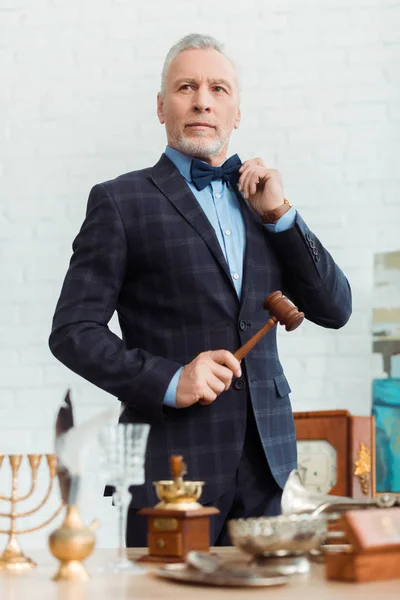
239, 384
243, 325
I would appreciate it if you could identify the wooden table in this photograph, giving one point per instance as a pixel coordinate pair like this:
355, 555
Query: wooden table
312, 586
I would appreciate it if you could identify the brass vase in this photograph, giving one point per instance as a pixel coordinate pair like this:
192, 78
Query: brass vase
72, 543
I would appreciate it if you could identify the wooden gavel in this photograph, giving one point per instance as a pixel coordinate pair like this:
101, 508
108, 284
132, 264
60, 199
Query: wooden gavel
282, 310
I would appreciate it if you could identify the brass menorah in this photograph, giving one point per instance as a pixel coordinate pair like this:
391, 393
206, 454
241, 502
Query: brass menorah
13, 559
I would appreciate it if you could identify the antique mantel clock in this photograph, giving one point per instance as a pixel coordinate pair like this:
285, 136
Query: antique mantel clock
336, 452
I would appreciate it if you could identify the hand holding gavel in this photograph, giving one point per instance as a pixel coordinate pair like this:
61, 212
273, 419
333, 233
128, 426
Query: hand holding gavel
210, 373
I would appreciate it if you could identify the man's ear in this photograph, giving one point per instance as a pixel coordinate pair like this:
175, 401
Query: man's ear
160, 108
237, 119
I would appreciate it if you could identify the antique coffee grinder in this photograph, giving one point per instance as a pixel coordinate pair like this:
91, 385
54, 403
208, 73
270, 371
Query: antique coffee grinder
178, 523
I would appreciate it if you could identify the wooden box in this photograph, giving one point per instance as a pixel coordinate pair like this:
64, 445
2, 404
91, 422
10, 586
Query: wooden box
374, 535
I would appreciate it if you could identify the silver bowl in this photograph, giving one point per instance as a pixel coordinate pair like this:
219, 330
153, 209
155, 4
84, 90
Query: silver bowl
286, 535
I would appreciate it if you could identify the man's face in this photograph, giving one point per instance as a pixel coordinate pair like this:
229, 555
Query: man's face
200, 104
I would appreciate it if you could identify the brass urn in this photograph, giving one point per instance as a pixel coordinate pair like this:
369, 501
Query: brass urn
72, 543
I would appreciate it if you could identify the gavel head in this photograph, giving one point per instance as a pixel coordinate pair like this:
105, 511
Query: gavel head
283, 310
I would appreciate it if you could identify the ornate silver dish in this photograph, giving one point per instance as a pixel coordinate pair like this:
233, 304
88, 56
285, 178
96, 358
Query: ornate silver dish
286, 535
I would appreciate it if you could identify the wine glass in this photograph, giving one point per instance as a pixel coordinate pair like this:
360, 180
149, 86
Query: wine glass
122, 455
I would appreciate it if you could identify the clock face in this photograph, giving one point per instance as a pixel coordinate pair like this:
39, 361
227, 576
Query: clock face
317, 465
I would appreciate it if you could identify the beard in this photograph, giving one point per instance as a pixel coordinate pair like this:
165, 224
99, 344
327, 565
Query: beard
199, 146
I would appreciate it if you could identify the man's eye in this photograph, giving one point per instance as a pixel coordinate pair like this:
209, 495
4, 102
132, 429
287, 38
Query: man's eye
219, 89
186, 86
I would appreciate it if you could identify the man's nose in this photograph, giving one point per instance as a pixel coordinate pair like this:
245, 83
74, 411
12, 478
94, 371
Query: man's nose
202, 102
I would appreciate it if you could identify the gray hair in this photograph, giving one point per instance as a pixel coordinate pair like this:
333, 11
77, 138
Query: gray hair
193, 41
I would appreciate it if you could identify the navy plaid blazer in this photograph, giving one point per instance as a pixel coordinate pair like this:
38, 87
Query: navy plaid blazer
147, 250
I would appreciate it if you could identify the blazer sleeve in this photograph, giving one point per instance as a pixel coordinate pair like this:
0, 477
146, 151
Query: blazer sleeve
80, 337
311, 277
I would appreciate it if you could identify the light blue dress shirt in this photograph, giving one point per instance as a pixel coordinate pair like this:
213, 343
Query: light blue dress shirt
222, 208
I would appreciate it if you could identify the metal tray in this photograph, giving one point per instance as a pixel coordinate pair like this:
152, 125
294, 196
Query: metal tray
222, 577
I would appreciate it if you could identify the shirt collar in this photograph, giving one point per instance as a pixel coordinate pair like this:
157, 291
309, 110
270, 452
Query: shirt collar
181, 161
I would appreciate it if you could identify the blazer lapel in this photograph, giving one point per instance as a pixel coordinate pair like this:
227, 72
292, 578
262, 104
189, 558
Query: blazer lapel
171, 183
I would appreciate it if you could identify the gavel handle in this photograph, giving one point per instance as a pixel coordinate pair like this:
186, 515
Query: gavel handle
243, 350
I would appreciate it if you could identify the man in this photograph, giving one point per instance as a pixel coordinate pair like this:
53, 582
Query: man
186, 255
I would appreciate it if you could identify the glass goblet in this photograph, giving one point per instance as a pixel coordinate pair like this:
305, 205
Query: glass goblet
122, 456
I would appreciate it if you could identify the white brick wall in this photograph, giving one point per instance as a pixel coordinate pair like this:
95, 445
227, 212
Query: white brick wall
321, 90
